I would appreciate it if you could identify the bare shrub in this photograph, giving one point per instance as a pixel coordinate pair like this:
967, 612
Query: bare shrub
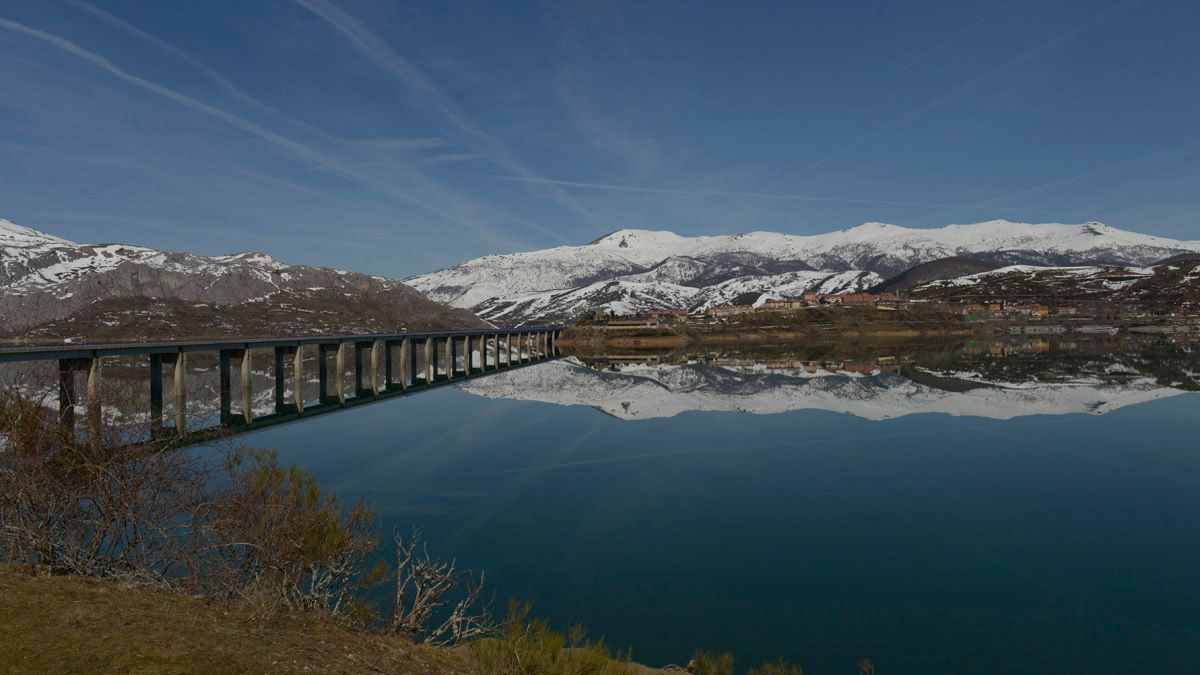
708, 663
778, 667
147, 512
530, 647
93, 508
436, 603
277, 540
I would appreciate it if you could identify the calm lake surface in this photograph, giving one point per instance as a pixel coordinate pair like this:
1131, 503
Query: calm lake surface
826, 517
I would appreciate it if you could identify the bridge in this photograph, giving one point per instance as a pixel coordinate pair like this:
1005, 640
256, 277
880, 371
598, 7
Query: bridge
383, 366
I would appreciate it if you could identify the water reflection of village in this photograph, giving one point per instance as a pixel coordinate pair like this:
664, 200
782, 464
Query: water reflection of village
1173, 360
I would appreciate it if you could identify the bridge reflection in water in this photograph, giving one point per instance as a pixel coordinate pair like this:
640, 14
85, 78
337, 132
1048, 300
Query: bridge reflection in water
381, 366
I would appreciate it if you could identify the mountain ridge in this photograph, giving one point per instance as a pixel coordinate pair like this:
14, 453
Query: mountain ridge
566, 282
54, 288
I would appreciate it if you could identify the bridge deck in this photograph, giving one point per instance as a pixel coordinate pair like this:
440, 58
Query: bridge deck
91, 350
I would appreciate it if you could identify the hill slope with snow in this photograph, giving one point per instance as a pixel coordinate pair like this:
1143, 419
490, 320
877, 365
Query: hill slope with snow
51, 288
634, 270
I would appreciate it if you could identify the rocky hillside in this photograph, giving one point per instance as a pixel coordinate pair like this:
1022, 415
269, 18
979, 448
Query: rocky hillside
635, 270
54, 289
1163, 288
946, 268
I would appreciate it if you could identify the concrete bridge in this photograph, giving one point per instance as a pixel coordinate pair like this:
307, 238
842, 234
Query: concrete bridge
382, 366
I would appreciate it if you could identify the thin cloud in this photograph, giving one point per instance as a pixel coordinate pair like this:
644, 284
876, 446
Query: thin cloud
419, 184
962, 89
770, 195
954, 37
432, 102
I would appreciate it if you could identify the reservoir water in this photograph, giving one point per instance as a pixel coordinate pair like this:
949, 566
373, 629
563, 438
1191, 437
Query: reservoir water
965, 519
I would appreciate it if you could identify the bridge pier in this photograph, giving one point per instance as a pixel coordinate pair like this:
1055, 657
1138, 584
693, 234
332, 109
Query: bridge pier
68, 397
93, 401
247, 386
376, 357
298, 378
339, 375
180, 375
280, 372
451, 356
430, 363
405, 369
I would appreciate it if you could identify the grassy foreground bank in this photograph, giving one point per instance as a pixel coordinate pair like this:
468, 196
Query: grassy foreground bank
54, 623
76, 624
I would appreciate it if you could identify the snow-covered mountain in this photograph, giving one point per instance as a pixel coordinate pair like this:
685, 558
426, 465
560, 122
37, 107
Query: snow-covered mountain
649, 391
54, 288
632, 270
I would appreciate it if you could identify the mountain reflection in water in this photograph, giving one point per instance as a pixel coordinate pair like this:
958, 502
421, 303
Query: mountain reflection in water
998, 380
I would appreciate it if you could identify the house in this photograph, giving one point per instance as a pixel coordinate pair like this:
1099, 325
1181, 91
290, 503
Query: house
728, 310
859, 299
974, 311
1030, 310
890, 303
634, 323
783, 304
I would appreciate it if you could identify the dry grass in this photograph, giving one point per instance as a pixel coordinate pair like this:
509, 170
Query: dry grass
71, 624
68, 624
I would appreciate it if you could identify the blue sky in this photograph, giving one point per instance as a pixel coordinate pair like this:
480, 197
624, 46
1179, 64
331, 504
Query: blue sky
398, 137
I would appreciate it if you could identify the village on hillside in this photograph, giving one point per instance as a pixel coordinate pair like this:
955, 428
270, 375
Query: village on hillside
1000, 310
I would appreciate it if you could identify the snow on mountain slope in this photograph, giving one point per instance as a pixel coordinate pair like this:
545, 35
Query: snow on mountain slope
71, 289
642, 256
646, 392
789, 284
621, 297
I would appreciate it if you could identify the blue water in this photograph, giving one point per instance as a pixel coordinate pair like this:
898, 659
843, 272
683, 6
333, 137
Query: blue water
928, 543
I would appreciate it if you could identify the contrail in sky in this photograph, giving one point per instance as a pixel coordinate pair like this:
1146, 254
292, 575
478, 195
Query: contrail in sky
769, 195
294, 148
962, 89
236, 93
432, 102
954, 37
